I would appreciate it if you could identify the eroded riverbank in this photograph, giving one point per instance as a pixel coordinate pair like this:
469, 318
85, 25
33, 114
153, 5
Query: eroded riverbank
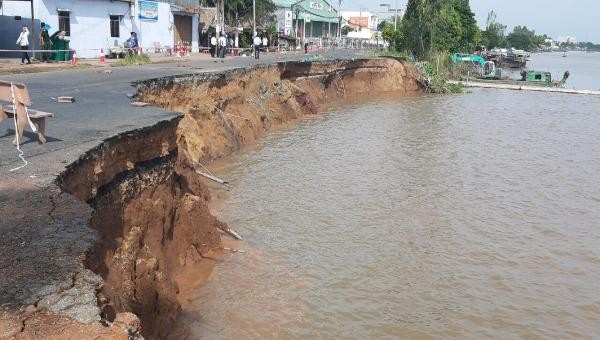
150, 207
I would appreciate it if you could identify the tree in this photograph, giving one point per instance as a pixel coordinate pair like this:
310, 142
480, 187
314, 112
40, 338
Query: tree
494, 34
345, 30
471, 37
237, 11
523, 39
439, 25
392, 36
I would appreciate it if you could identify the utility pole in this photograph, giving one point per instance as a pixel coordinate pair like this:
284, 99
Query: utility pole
340, 18
396, 17
220, 17
223, 16
254, 16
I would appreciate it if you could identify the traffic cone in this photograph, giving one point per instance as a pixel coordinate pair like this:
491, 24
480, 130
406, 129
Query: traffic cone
102, 57
74, 58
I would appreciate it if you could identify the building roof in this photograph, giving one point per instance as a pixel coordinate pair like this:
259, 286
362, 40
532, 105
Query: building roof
318, 10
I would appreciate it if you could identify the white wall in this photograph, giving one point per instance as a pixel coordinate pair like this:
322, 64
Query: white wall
11, 8
195, 33
90, 24
160, 31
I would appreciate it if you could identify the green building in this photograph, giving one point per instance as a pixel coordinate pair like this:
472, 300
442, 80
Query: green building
307, 18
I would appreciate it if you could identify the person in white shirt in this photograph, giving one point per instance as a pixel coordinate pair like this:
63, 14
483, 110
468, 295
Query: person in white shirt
23, 41
257, 43
222, 45
265, 43
213, 46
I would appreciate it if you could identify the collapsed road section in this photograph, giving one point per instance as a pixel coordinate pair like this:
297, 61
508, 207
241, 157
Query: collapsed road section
149, 215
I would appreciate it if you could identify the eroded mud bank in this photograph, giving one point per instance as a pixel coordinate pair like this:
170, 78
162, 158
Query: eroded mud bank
150, 207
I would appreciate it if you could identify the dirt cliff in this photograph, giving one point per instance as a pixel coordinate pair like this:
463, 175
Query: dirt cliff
149, 205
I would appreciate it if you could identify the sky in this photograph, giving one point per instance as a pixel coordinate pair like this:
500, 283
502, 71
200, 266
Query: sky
575, 18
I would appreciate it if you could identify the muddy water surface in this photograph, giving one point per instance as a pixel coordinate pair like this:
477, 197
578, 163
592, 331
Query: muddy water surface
464, 216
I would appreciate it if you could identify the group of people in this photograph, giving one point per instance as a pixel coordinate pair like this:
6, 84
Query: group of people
218, 47
260, 43
45, 43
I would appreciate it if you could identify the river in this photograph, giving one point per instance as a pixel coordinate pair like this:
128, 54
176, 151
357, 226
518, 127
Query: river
584, 68
461, 216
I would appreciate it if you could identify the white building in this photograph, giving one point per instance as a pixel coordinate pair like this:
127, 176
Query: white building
92, 25
566, 40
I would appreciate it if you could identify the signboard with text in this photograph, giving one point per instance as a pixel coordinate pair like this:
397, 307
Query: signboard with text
316, 5
148, 10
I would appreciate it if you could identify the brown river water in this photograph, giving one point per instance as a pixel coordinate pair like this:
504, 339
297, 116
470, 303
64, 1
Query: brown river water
464, 216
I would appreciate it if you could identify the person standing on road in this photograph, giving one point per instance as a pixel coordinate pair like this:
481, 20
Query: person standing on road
45, 42
23, 41
222, 45
213, 46
265, 43
257, 43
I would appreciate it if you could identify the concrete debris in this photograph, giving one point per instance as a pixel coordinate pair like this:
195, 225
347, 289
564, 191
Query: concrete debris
78, 302
106, 72
65, 99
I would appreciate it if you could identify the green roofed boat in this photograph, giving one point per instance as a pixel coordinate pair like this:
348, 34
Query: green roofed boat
490, 73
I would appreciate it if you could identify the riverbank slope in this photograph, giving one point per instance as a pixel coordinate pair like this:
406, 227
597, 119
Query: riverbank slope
147, 206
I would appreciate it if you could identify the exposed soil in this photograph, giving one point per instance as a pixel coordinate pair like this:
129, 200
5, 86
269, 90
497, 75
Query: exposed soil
150, 207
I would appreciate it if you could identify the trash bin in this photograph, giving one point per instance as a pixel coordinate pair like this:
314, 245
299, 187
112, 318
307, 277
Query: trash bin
60, 43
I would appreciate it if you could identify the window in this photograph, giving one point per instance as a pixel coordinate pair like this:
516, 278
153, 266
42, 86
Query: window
64, 22
114, 26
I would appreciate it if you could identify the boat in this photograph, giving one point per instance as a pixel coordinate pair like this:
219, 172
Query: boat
492, 74
540, 78
508, 58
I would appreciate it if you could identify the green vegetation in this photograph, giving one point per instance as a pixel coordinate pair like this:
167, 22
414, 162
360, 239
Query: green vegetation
588, 46
133, 59
494, 34
520, 38
238, 11
436, 81
430, 31
431, 26
523, 39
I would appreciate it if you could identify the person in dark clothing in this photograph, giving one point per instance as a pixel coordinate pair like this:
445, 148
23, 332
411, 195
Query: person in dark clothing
257, 42
45, 42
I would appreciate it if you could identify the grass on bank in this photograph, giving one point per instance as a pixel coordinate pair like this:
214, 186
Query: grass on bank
435, 70
133, 60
